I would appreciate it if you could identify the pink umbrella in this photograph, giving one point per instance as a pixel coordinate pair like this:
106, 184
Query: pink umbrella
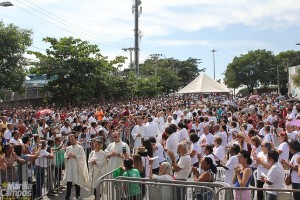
254, 97
43, 113
295, 122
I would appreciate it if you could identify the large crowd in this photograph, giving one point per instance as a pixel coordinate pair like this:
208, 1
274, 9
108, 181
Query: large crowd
254, 140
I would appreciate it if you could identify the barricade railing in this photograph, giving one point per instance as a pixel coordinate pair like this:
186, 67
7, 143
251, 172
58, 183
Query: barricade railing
116, 189
33, 179
245, 193
190, 193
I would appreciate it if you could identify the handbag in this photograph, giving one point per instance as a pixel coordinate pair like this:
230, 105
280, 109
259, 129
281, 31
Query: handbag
288, 180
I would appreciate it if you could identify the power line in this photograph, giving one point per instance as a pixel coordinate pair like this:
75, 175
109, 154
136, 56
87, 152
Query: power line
54, 24
73, 25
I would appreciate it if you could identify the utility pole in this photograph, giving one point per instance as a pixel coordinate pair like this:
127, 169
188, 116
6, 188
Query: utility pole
137, 10
213, 51
155, 58
130, 51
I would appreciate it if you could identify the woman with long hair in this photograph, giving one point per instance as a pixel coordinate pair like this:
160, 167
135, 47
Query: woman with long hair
208, 174
283, 148
242, 176
263, 166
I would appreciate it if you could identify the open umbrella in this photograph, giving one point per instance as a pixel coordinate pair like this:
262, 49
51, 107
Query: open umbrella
295, 122
229, 103
255, 96
247, 110
282, 97
43, 113
292, 100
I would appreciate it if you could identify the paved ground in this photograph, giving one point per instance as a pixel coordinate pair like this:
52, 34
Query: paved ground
84, 195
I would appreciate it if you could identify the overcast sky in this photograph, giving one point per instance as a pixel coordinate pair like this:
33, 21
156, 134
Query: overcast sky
174, 28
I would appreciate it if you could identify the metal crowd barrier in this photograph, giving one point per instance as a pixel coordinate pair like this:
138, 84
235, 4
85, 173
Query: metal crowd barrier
157, 189
148, 189
116, 189
241, 193
43, 178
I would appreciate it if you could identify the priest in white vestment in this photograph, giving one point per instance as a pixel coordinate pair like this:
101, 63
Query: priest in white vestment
97, 163
76, 168
138, 132
114, 152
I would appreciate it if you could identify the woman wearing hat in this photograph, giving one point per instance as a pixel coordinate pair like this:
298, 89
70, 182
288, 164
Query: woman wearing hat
97, 163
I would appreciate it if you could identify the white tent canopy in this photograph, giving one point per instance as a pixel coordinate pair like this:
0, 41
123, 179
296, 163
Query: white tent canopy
204, 84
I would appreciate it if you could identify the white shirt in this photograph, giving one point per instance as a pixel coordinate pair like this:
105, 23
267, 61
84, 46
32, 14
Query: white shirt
260, 168
66, 130
294, 175
137, 140
151, 130
183, 134
42, 160
200, 127
292, 135
8, 134
40, 131
91, 119
224, 139
15, 142
172, 143
212, 157
262, 132
209, 138
159, 152
185, 167
276, 176
269, 138
196, 147
284, 147
231, 163
160, 123
219, 152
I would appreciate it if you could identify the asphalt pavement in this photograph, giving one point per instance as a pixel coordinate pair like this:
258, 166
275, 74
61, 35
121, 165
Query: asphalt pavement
85, 194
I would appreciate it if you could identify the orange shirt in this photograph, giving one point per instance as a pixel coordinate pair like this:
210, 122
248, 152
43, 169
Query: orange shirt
99, 115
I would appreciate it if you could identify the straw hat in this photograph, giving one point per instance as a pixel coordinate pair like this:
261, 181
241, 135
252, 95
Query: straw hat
141, 149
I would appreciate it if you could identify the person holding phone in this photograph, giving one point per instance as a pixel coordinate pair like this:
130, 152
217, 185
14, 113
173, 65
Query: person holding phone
116, 151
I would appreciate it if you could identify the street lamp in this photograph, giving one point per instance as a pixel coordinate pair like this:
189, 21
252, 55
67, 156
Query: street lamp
298, 44
213, 51
6, 4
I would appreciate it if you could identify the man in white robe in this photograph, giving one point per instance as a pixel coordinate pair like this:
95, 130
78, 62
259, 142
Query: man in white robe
137, 132
76, 168
114, 152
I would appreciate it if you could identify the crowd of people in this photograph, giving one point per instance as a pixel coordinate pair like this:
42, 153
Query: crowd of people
167, 138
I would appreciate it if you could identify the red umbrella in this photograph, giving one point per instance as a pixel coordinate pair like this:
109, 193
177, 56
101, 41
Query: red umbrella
43, 113
255, 96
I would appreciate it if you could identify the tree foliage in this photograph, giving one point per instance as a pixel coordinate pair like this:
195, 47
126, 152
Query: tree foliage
13, 44
82, 72
251, 69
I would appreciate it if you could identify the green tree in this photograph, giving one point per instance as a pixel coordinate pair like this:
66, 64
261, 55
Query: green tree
285, 60
13, 44
82, 72
251, 70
